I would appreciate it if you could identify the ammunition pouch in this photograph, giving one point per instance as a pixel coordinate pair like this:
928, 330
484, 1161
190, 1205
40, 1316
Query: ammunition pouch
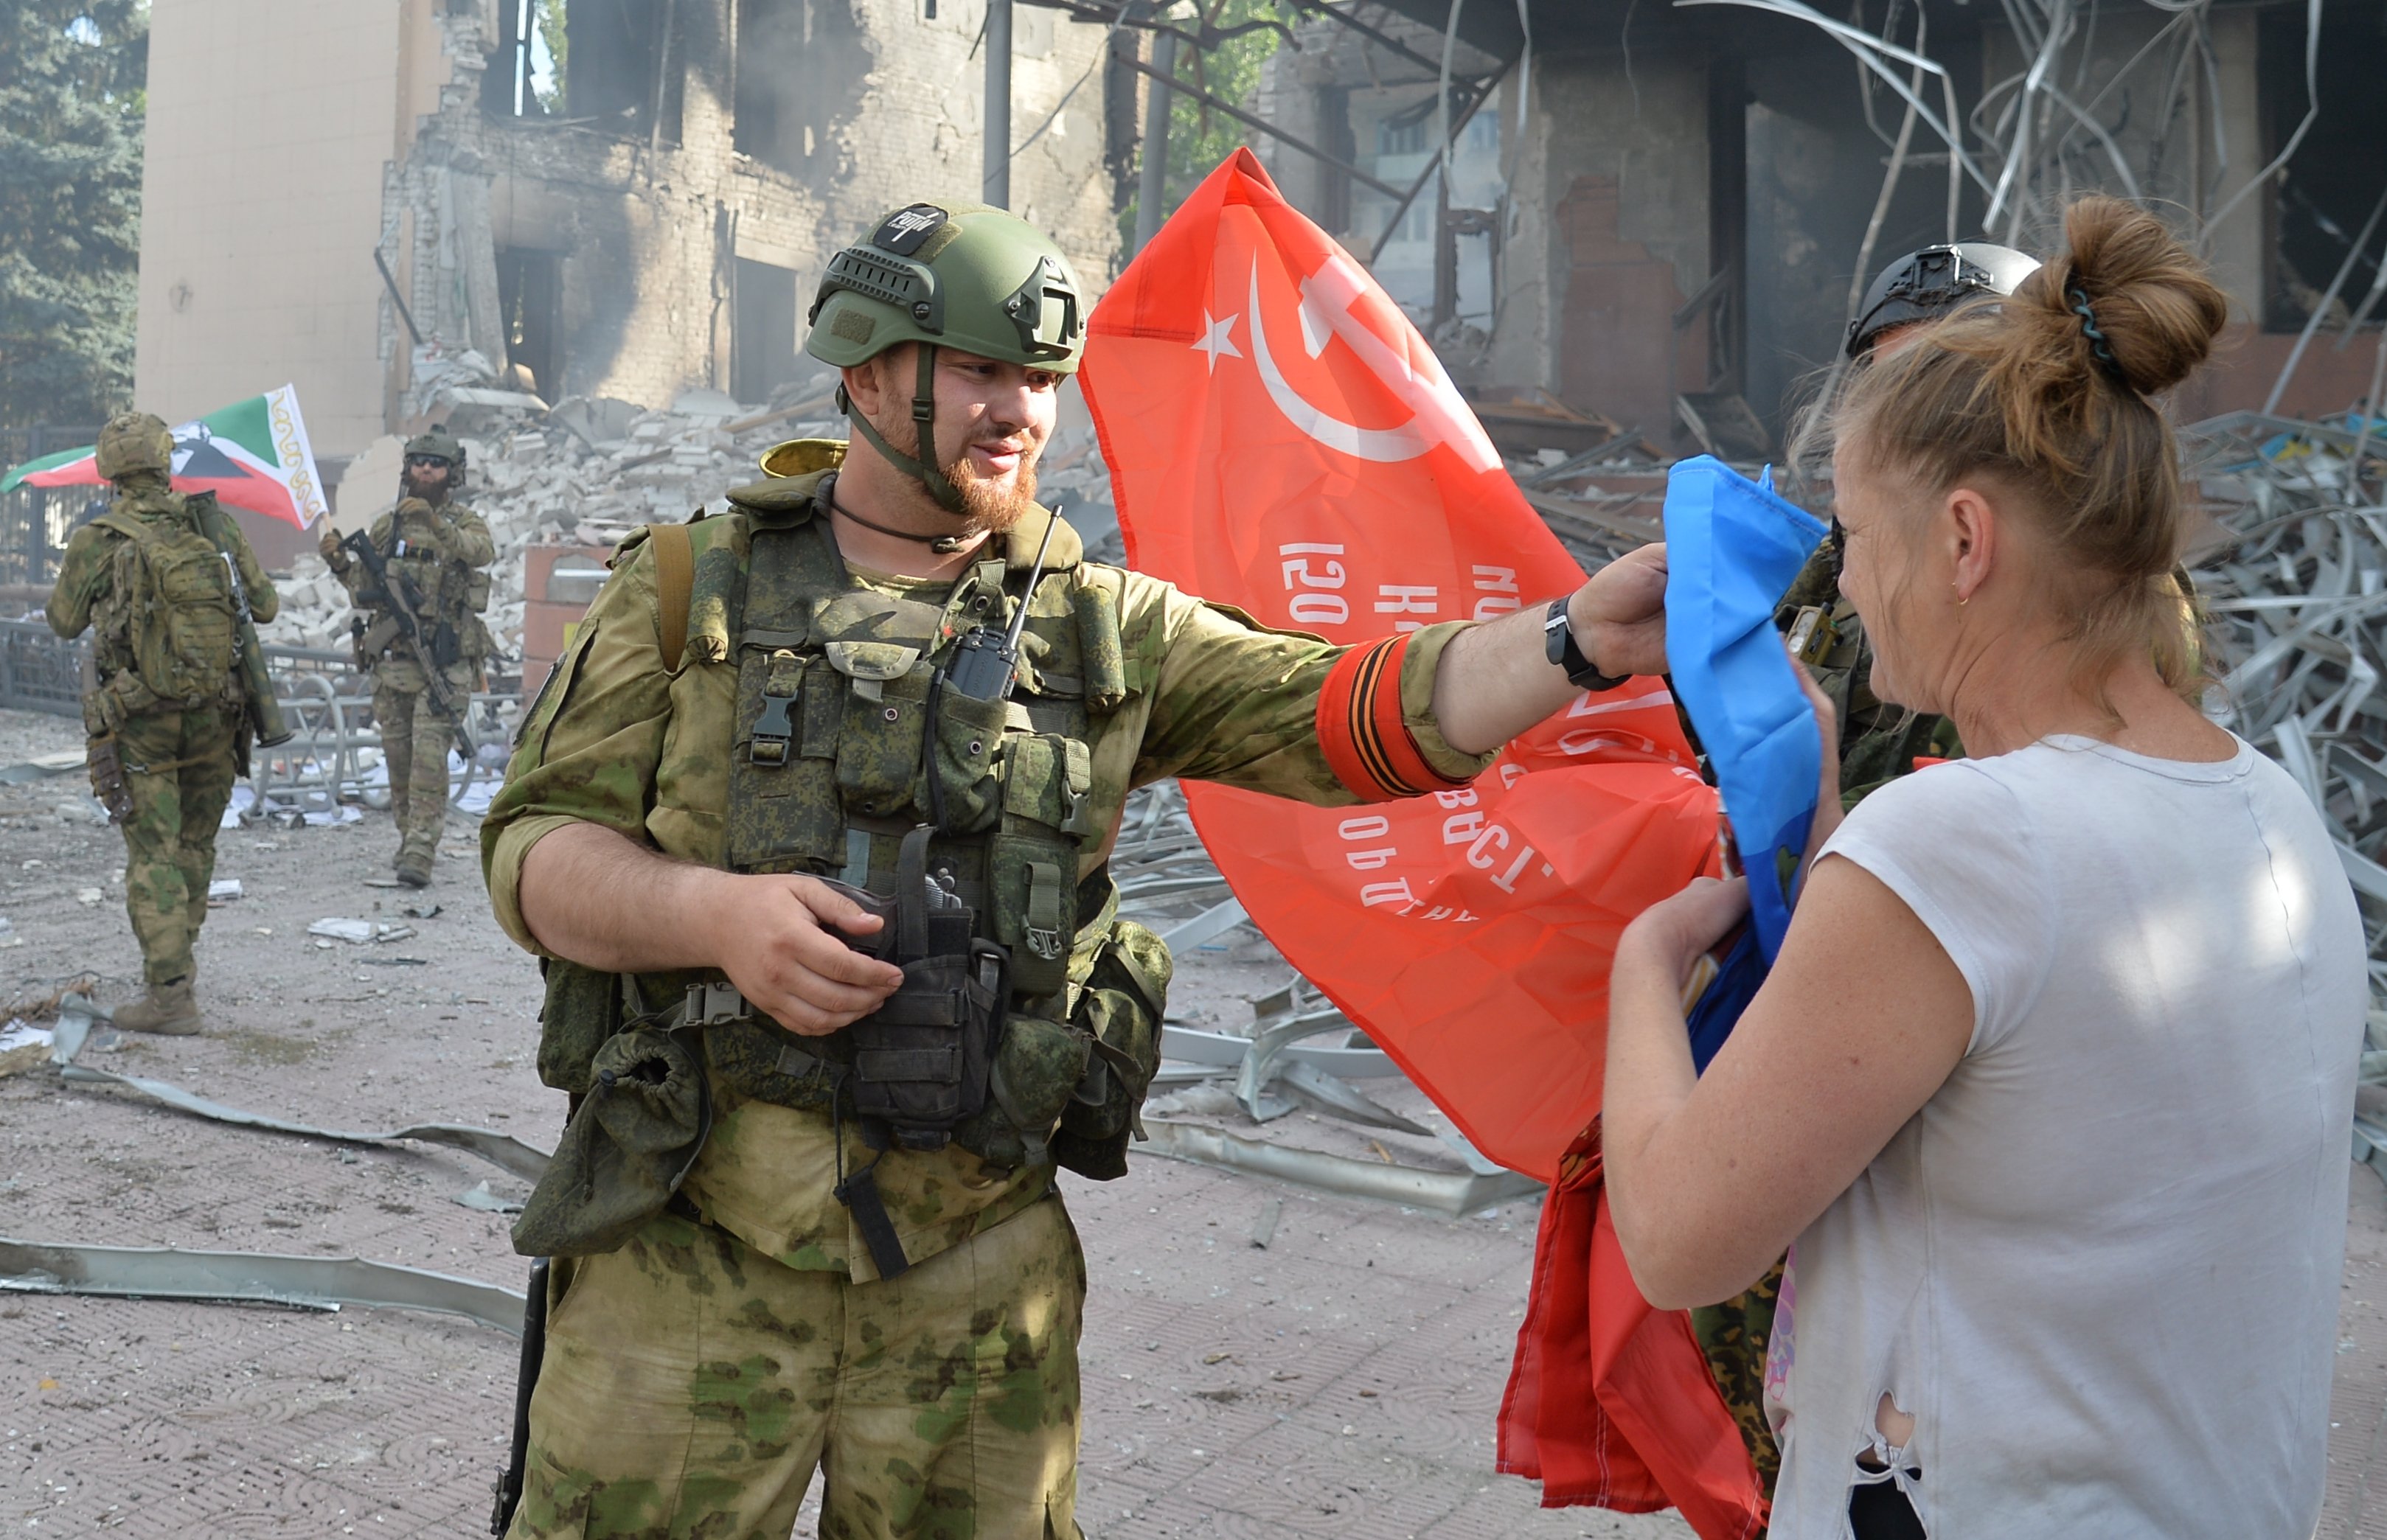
375, 637
107, 767
631, 1141
1120, 1010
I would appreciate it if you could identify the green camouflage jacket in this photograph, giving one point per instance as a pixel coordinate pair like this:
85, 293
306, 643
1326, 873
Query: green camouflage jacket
617, 740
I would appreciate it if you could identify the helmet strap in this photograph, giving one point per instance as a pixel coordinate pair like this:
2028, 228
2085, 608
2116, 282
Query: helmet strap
924, 469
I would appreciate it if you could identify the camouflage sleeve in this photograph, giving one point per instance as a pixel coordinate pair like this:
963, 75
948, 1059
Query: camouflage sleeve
590, 744
1236, 702
264, 600
82, 573
468, 541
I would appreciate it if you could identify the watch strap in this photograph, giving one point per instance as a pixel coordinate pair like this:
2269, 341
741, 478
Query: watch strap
1561, 648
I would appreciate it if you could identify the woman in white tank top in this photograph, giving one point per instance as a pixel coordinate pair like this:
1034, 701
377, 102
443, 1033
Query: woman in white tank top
2052, 1086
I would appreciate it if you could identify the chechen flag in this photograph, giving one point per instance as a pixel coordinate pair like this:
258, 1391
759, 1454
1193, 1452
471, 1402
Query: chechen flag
1281, 439
253, 454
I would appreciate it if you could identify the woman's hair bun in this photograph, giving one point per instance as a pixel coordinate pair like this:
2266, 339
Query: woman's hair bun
2154, 301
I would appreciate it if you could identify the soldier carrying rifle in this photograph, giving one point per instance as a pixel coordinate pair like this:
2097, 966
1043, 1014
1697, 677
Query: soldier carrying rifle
170, 590
420, 580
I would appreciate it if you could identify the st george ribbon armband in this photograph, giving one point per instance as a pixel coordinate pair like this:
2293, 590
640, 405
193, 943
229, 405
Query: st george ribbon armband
1368, 744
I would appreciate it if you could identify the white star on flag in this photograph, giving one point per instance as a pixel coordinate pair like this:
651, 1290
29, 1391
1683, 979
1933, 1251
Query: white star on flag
1217, 340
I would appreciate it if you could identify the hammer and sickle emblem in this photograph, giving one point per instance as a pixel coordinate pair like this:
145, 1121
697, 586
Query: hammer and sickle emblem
1437, 413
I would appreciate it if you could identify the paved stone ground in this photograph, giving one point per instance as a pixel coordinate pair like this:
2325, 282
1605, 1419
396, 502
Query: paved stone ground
1340, 1383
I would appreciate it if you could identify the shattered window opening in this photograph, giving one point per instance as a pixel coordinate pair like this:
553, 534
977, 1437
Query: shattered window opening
762, 348
2323, 197
530, 295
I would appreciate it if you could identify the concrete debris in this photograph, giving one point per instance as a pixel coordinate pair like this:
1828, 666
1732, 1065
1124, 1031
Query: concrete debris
359, 933
1263, 1229
590, 471
299, 1283
23, 1046
88, 896
224, 890
479, 1196
40, 767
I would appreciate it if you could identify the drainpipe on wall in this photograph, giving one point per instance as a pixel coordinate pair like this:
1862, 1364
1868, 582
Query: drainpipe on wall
996, 184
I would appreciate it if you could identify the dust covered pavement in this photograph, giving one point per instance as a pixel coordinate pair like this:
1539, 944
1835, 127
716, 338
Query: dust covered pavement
1342, 1382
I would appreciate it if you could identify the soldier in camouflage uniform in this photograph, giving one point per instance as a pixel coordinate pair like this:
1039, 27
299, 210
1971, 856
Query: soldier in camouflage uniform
168, 725
774, 1254
437, 551
1878, 742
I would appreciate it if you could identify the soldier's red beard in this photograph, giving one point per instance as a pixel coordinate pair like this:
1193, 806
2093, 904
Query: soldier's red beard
990, 505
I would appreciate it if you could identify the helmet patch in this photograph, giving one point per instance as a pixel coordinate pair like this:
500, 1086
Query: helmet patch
907, 230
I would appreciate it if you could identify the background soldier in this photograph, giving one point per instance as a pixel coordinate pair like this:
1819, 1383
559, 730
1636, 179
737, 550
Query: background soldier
436, 553
163, 585
804, 1215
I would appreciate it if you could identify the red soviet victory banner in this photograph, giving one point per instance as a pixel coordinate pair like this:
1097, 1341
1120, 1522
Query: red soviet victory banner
1281, 439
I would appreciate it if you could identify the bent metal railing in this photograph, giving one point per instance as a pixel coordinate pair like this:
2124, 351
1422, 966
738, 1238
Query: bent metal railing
335, 745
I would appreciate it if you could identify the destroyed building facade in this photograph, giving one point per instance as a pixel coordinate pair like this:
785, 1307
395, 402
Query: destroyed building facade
1664, 230
624, 198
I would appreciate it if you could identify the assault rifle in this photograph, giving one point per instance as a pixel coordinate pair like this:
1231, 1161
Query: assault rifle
533, 1352
383, 587
264, 711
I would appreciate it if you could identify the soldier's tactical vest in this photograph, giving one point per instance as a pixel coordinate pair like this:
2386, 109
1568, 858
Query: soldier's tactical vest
168, 631
1027, 1030
447, 597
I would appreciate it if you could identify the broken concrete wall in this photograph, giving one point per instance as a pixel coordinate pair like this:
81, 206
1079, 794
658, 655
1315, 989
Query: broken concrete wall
1622, 171
854, 107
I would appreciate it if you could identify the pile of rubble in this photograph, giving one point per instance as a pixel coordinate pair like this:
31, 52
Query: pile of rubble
588, 471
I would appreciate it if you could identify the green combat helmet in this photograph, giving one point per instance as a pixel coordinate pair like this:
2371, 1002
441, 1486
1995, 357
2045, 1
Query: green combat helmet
134, 441
958, 275
448, 447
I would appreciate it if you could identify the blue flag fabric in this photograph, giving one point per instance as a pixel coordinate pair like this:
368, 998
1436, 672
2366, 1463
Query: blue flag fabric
1731, 547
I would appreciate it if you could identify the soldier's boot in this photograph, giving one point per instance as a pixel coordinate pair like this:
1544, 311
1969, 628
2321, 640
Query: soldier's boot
413, 863
171, 1010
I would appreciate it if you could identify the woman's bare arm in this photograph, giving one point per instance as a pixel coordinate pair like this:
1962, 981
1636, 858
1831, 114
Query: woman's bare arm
1709, 1177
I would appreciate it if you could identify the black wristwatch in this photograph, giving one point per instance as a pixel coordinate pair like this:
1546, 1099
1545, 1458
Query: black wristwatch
1558, 646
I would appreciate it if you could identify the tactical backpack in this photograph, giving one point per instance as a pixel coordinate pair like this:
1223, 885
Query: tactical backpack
170, 619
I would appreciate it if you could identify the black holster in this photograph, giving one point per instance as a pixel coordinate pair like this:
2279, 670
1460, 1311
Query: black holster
921, 1060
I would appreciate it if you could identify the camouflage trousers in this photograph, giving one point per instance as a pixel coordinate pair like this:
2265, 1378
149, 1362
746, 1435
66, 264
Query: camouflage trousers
1735, 1336
178, 770
692, 1385
414, 740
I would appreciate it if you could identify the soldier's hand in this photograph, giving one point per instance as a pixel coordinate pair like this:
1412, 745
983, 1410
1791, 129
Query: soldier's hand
330, 546
780, 945
1619, 616
420, 525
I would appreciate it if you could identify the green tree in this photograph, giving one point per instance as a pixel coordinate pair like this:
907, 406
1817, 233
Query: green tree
1229, 69
72, 76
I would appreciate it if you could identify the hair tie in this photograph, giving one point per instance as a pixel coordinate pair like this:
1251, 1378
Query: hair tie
2096, 337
